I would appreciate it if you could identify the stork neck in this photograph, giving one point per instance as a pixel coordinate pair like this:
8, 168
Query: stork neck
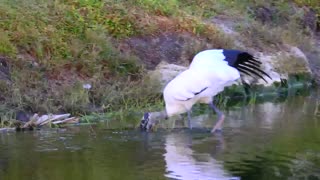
162, 114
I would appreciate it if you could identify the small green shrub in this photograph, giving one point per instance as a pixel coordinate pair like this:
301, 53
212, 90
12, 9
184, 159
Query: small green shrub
6, 47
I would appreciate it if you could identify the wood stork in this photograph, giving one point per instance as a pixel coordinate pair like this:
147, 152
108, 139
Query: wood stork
208, 74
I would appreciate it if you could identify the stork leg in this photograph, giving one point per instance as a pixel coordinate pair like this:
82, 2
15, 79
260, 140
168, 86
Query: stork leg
218, 125
189, 120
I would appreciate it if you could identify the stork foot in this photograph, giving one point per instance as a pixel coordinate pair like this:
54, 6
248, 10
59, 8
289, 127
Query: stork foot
218, 131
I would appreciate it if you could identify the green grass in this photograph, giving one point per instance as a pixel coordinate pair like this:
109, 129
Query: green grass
57, 46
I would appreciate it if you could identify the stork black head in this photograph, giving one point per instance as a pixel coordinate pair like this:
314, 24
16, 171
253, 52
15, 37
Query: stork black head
150, 119
144, 121
244, 62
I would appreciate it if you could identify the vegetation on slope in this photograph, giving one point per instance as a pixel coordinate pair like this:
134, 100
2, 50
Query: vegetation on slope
54, 47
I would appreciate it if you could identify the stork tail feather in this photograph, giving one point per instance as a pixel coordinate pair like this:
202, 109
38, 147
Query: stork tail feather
245, 63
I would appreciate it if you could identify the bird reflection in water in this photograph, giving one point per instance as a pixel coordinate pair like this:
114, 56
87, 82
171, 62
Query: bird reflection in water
182, 162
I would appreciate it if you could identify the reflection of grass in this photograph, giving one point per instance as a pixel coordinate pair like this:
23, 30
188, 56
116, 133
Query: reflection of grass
317, 109
291, 148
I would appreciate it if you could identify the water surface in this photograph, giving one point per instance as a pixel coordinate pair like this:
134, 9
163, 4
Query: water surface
270, 140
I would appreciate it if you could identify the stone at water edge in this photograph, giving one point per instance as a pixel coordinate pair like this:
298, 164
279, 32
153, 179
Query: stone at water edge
164, 73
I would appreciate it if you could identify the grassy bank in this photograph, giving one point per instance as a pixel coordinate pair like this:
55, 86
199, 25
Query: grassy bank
55, 47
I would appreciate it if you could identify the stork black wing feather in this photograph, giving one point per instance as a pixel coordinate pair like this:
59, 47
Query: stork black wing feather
255, 68
253, 72
245, 63
245, 72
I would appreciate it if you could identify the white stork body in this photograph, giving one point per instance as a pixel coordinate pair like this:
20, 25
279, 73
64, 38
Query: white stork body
208, 74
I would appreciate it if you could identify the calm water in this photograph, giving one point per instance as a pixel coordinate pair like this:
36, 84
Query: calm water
271, 140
